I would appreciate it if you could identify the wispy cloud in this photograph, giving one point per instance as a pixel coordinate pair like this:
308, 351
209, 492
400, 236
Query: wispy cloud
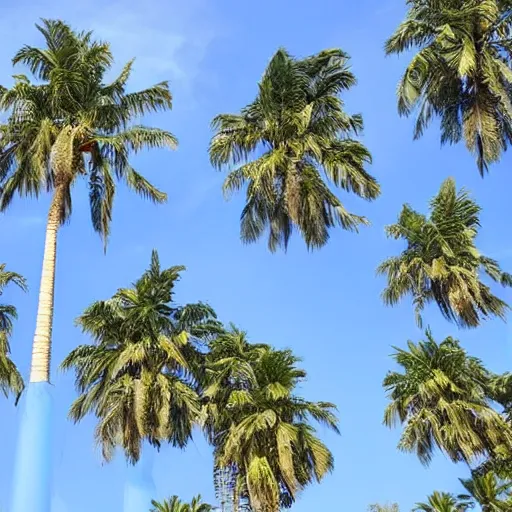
169, 39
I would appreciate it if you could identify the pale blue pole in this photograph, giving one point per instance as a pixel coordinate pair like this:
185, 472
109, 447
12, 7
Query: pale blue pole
32, 471
139, 487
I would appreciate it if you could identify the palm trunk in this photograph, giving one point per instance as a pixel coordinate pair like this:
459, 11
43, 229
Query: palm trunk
33, 469
42, 346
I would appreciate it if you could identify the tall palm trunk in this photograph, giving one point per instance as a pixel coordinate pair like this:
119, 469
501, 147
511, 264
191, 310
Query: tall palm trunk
32, 474
41, 348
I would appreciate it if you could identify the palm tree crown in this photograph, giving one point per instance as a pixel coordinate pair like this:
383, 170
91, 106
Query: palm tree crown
70, 124
138, 378
443, 502
174, 504
296, 129
260, 430
500, 391
489, 492
441, 399
441, 262
461, 72
10, 378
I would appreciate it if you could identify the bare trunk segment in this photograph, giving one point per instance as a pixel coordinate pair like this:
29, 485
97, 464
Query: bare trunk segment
42, 346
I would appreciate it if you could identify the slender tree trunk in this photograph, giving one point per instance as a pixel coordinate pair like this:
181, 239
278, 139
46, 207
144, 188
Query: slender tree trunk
42, 346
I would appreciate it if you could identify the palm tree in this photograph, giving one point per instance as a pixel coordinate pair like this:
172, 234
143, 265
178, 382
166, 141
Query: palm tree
441, 262
228, 371
64, 125
488, 491
174, 504
292, 133
138, 378
260, 430
443, 502
440, 399
70, 125
10, 378
461, 72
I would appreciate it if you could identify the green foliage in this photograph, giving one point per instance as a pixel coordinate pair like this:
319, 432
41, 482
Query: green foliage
489, 492
281, 144
441, 262
461, 72
10, 378
68, 124
443, 502
499, 390
139, 377
263, 440
441, 399
174, 504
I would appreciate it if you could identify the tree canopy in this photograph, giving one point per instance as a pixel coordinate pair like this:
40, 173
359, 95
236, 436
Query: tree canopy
441, 262
266, 449
174, 504
66, 123
293, 133
10, 378
138, 378
461, 72
440, 397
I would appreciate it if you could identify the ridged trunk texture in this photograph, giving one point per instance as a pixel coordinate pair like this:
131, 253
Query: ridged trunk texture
42, 346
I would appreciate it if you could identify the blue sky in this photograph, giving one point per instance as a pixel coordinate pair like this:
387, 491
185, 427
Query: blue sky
325, 305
